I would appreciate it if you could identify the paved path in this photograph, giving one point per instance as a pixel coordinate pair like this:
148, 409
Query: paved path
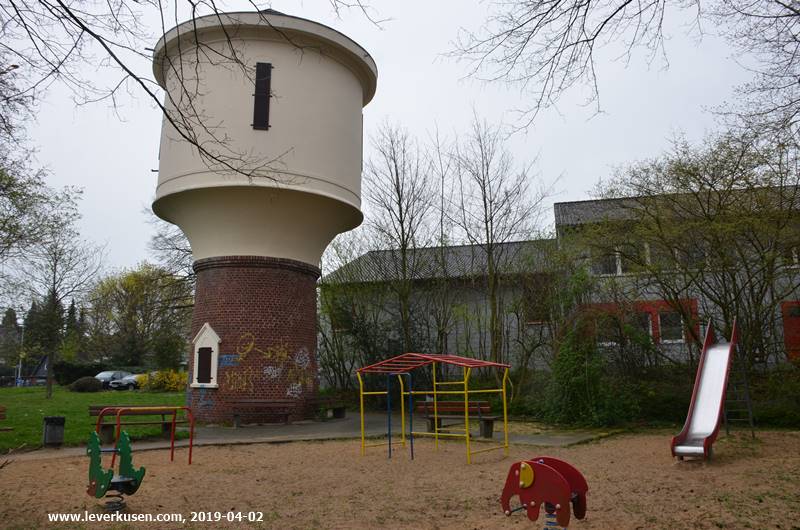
340, 429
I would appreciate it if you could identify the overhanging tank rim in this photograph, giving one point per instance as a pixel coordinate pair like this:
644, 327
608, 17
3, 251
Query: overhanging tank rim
159, 200
214, 20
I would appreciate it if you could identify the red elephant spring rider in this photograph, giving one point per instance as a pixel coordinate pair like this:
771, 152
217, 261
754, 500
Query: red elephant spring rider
546, 480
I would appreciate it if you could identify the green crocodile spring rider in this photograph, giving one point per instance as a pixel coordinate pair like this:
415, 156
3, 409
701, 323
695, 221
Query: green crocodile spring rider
102, 481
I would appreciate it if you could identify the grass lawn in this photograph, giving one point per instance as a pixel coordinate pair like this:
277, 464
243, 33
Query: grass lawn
25, 408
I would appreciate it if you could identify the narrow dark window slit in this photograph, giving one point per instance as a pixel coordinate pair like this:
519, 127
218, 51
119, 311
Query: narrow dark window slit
204, 365
261, 96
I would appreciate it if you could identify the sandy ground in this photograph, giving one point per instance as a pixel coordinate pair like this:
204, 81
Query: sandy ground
633, 484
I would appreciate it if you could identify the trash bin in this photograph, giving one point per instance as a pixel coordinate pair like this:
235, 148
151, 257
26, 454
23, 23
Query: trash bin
53, 431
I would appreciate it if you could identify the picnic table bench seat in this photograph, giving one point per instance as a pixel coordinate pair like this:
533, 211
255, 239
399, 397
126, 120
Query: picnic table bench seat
454, 410
109, 425
334, 406
280, 408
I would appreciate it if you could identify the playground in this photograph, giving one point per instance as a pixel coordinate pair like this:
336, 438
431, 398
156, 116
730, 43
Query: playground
635, 483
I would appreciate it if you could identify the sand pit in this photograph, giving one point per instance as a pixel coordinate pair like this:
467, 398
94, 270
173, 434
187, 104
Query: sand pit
634, 484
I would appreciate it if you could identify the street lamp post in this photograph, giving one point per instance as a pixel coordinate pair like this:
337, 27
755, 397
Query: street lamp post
21, 324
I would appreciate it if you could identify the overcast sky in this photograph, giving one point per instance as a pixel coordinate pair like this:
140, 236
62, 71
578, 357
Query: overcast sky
419, 87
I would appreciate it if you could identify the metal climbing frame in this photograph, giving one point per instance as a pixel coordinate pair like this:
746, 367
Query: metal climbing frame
403, 365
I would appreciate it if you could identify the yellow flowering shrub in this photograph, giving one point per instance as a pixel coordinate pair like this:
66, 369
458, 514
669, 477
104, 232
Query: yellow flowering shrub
165, 381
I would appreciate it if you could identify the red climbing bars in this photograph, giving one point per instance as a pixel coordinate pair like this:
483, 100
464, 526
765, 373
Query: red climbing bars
122, 411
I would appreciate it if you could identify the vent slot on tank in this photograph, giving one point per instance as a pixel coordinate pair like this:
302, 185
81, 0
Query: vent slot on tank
261, 96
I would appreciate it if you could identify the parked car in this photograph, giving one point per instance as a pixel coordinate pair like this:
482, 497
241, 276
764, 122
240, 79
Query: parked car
111, 375
129, 382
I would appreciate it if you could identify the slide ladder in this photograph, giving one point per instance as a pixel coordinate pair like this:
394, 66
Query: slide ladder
708, 397
738, 404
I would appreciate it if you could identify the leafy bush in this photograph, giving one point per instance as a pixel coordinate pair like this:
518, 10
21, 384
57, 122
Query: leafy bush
66, 371
776, 396
165, 381
582, 390
664, 393
86, 384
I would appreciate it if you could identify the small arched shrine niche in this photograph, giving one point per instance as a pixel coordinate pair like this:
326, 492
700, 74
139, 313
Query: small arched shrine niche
205, 348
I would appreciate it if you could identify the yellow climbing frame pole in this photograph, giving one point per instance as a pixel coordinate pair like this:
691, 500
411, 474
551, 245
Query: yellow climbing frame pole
437, 432
361, 407
505, 413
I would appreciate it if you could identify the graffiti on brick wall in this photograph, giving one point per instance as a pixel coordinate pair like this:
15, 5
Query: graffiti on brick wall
295, 391
295, 366
273, 372
239, 381
204, 399
226, 361
302, 358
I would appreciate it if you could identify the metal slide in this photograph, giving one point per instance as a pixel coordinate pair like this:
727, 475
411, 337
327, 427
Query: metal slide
708, 398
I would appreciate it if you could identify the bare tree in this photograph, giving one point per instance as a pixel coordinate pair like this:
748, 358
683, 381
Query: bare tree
350, 303
58, 41
548, 47
496, 204
440, 294
717, 222
60, 267
399, 193
28, 207
170, 248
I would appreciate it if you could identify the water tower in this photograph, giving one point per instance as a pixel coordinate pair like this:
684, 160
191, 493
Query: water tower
278, 101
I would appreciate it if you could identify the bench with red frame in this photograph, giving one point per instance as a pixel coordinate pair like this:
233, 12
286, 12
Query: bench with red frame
278, 408
109, 425
2, 417
454, 410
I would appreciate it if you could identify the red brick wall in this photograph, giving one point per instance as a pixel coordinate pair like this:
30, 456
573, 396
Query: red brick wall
265, 313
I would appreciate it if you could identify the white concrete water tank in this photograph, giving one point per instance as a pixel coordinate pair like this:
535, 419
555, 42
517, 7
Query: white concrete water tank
281, 187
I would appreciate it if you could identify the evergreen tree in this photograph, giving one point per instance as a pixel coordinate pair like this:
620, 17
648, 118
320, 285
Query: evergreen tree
73, 336
9, 338
44, 331
32, 349
71, 321
52, 324
34, 329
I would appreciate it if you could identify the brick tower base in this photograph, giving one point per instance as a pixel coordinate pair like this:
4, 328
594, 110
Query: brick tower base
265, 313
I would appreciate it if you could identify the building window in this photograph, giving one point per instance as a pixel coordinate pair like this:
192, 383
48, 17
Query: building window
625, 259
643, 324
605, 264
261, 96
631, 257
692, 256
660, 257
609, 331
670, 324
788, 255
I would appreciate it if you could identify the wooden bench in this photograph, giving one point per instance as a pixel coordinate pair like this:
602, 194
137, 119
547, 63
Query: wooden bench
109, 425
281, 408
454, 410
2, 417
332, 405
